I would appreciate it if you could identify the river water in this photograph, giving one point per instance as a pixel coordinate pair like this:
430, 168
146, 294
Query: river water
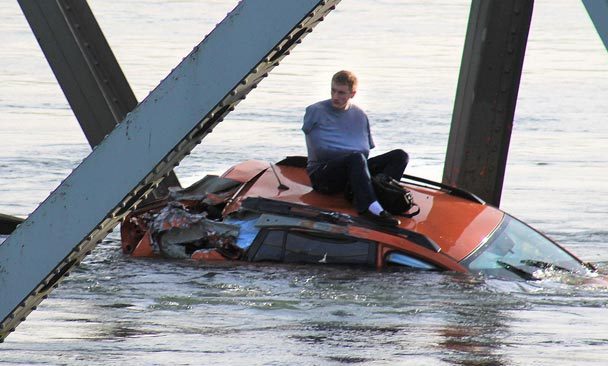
115, 310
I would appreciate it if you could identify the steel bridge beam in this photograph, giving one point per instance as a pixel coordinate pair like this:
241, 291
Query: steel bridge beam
598, 12
486, 96
146, 145
84, 65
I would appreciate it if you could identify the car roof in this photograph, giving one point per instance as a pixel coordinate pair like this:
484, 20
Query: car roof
456, 224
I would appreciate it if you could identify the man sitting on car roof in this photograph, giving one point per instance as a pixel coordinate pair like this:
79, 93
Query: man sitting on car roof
338, 139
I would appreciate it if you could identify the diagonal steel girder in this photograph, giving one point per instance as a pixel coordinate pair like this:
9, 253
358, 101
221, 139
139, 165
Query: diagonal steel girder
598, 12
146, 145
85, 67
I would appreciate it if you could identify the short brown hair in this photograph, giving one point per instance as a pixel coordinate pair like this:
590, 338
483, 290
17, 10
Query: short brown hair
345, 77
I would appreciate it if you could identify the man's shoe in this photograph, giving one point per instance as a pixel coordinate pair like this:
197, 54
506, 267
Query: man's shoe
383, 219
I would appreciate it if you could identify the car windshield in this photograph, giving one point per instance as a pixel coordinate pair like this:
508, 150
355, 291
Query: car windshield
515, 250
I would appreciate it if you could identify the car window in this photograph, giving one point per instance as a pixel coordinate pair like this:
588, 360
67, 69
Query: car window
293, 246
517, 250
272, 246
405, 260
305, 247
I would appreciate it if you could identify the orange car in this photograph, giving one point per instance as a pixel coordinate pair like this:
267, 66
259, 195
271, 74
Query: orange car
263, 212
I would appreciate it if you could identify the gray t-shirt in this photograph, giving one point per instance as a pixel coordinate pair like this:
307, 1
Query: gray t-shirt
331, 133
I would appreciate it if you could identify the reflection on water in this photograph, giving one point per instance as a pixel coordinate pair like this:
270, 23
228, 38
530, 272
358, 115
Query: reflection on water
115, 310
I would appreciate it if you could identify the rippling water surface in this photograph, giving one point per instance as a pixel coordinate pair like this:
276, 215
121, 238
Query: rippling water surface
114, 310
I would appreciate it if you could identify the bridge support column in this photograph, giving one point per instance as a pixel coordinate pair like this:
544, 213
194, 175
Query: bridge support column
84, 66
486, 96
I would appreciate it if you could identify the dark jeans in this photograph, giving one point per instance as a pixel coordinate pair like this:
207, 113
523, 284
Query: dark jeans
354, 171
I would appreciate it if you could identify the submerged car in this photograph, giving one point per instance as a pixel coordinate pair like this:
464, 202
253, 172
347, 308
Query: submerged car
263, 212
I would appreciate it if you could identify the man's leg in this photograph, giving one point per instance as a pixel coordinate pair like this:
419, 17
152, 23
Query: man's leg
392, 163
352, 169
360, 182
335, 174
331, 177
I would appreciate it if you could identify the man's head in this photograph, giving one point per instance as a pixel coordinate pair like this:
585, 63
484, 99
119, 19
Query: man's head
343, 88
